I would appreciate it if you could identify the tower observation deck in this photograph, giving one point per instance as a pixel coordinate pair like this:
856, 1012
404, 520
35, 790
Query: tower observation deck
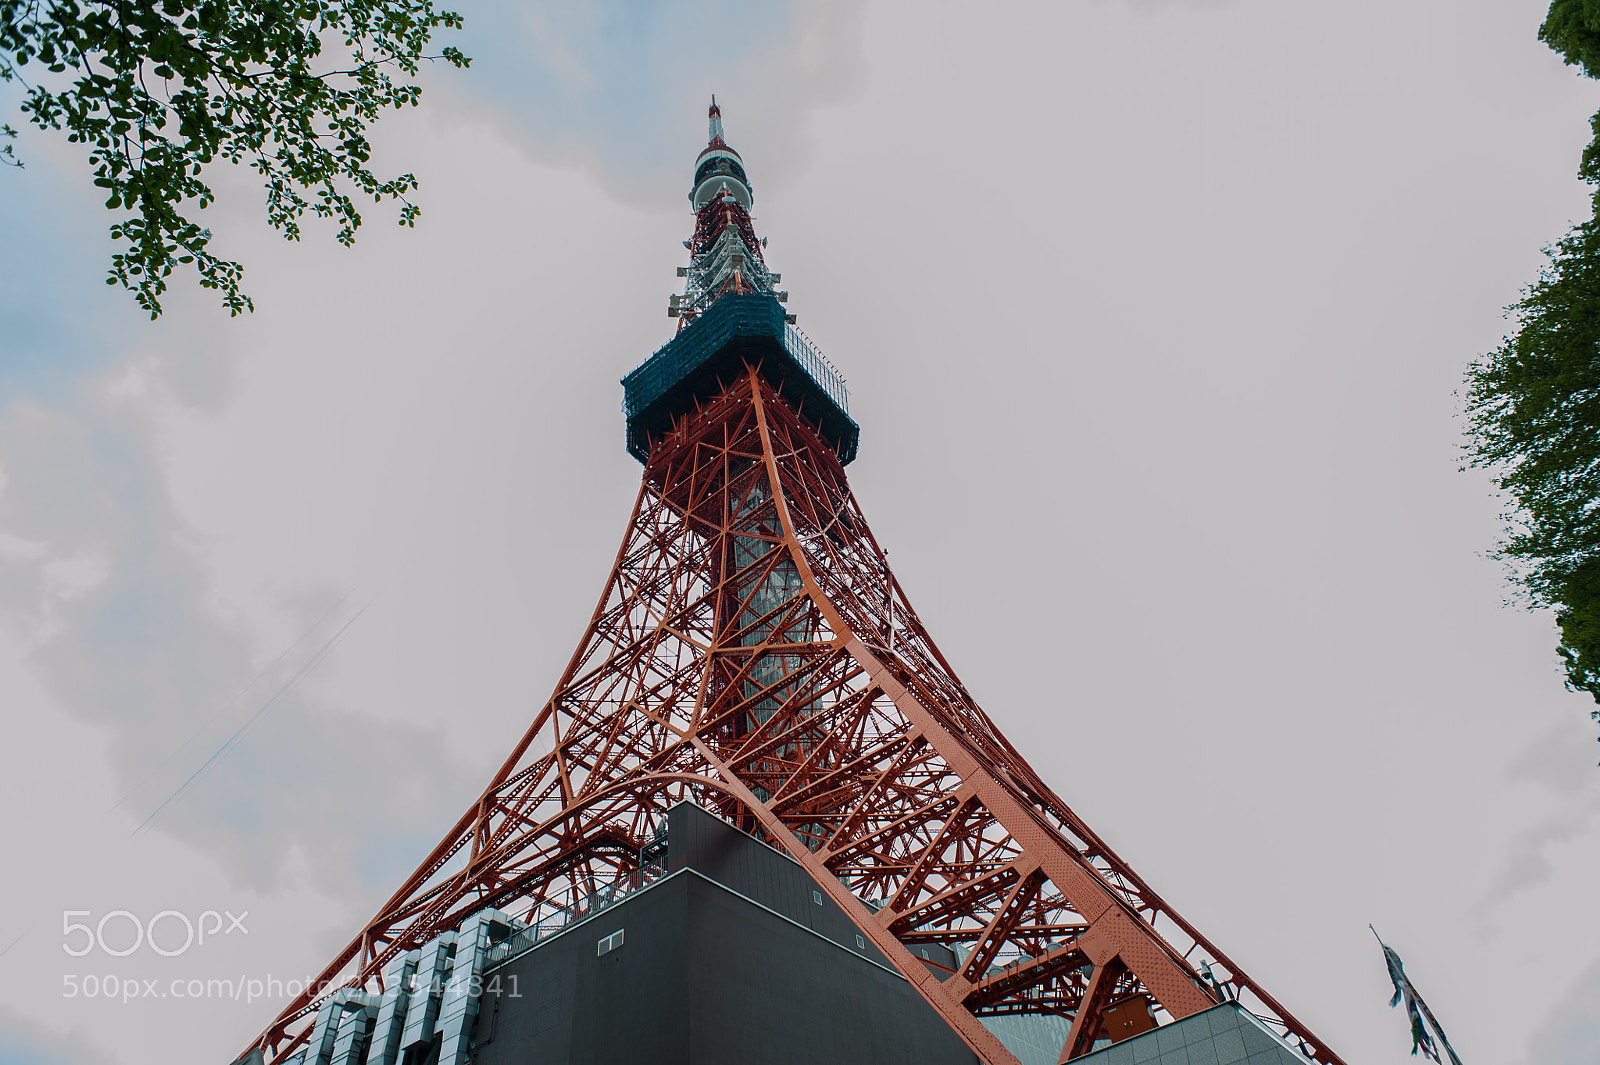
731, 315
760, 819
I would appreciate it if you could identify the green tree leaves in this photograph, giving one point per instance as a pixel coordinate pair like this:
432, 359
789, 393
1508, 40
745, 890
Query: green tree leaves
159, 89
1533, 406
1572, 27
1533, 409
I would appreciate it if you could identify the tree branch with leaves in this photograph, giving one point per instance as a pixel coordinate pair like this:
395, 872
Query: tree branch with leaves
1533, 406
158, 91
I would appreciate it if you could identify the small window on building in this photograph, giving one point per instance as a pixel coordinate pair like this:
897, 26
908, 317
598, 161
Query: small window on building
925, 954
608, 943
861, 942
816, 897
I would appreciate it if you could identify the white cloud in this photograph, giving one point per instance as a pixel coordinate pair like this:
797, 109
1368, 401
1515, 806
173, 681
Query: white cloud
122, 631
17, 548
619, 88
1570, 1033
1557, 764
76, 575
25, 1042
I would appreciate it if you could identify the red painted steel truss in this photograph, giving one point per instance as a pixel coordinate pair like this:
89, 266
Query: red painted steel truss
752, 652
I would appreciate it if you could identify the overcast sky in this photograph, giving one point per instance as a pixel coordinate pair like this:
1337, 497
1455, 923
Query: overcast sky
1152, 314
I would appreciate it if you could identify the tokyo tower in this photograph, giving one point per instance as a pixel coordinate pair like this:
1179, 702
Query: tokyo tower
755, 676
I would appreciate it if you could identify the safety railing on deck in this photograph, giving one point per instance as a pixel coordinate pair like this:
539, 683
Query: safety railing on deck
730, 316
813, 362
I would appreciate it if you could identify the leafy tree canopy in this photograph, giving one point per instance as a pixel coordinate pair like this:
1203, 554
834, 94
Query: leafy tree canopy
159, 89
1533, 405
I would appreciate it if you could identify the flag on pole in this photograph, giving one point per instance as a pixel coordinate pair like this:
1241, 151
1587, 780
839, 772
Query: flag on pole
1416, 1009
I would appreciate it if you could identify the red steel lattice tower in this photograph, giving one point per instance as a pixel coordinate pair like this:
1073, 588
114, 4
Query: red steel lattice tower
752, 652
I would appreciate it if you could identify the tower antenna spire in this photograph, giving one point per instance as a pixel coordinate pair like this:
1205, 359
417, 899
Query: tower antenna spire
725, 255
715, 116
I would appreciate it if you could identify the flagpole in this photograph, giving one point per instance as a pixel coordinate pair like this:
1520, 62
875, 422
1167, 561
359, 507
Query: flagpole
1415, 1006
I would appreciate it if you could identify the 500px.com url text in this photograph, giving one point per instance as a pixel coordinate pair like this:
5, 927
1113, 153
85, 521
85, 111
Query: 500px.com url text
127, 989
